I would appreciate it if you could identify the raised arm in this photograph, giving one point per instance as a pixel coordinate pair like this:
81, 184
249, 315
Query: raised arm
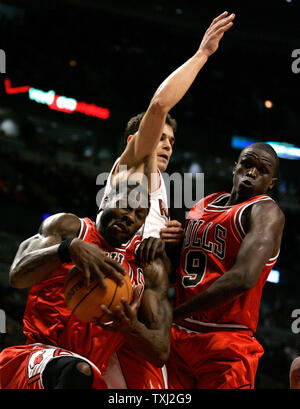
170, 92
262, 242
38, 256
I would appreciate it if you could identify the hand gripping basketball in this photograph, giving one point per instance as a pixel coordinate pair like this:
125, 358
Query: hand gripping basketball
86, 301
89, 258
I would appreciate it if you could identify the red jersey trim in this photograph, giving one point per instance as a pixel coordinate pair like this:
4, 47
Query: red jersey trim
128, 244
34, 378
213, 205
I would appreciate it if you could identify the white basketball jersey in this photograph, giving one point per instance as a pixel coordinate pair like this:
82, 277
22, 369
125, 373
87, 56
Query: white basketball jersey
157, 217
159, 211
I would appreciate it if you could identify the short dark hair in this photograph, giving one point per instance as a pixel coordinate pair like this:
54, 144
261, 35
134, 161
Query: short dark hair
134, 123
267, 148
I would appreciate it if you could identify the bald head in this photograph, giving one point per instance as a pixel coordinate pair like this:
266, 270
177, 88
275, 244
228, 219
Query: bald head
266, 148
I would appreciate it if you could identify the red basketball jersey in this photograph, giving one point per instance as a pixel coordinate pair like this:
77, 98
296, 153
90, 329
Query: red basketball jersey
48, 320
213, 236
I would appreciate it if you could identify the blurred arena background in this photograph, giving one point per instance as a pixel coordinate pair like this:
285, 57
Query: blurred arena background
106, 58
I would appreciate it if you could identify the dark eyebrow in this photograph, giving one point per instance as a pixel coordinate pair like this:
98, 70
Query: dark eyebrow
172, 137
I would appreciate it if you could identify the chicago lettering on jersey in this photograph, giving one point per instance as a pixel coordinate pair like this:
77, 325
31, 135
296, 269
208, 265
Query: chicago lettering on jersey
196, 235
116, 256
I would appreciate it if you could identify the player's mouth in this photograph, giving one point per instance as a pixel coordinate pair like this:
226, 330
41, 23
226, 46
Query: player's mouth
120, 227
247, 183
163, 156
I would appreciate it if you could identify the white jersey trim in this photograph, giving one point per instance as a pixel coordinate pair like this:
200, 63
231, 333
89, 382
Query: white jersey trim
273, 259
83, 229
238, 220
215, 325
185, 329
35, 372
213, 207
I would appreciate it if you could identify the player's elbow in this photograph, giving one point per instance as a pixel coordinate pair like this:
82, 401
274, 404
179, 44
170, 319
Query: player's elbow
16, 278
13, 279
161, 358
248, 283
158, 105
244, 281
160, 352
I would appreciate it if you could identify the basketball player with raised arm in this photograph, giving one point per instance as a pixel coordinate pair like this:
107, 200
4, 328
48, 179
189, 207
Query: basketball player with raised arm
231, 243
150, 139
62, 351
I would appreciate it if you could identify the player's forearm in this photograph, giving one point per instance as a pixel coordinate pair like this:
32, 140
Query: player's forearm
168, 94
174, 87
34, 267
225, 289
152, 345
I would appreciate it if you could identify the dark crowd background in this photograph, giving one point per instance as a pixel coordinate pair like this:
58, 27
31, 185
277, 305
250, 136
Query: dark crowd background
114, 54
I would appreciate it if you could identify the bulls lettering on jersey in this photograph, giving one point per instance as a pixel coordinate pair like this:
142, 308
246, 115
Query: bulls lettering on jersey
197, 243
213, 235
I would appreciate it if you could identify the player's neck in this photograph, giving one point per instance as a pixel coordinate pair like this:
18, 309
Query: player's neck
236, 198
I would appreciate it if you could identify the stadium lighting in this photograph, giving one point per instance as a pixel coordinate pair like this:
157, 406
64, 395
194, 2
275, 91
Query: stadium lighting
58, 102
274, 277
268, 104
284, 150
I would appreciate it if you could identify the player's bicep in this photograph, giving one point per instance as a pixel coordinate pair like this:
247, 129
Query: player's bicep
52, 231
261, 243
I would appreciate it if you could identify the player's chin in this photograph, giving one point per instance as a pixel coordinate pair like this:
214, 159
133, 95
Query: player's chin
113, 238
121, 238
162, 164
246, 192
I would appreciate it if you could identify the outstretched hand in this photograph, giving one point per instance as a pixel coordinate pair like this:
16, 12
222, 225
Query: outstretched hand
215, 32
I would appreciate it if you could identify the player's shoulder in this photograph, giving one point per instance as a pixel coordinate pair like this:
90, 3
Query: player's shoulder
268, 209
64, 224
268, 205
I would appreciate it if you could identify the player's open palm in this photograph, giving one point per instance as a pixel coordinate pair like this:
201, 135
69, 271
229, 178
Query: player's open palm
215, 32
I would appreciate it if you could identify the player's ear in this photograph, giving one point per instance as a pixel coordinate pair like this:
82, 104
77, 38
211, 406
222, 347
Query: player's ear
233, 170
129, 137
272, 184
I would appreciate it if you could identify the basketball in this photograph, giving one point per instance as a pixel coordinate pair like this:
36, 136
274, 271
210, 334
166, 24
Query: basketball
85, 302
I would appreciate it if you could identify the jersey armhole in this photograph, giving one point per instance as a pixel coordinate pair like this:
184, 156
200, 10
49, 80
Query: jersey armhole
238, 216
83, 229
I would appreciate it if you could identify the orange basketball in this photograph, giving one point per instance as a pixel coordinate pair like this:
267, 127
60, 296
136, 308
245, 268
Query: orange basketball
85, 302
